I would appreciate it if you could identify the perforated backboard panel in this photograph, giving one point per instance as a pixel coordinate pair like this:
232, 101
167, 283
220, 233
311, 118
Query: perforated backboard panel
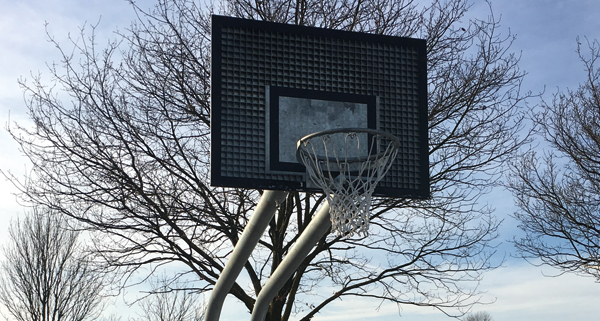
275, 83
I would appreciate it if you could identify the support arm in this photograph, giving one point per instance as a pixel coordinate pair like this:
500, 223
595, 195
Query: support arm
264, 212
318, 226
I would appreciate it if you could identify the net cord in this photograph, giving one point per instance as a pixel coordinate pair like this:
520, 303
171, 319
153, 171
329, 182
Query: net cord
347, 180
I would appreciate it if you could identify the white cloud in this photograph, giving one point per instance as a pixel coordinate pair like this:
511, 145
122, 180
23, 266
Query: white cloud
526, 292
520, 291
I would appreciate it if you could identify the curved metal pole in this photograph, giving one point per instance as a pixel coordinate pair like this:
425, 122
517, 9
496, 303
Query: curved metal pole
319, 225
264, 212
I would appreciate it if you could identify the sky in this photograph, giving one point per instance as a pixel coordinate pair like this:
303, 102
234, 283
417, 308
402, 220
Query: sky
546, 33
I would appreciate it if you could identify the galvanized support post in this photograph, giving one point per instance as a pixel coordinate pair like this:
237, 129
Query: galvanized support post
319, 225
264, 212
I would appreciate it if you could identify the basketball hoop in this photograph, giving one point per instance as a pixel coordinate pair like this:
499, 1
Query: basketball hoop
347, 164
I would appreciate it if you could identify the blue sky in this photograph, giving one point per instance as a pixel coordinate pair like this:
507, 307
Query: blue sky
546, 37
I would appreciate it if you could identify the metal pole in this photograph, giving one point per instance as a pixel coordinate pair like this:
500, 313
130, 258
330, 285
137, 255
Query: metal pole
317, 227
264, 212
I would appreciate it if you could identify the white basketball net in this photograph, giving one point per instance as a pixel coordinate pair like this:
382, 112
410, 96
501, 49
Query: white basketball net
348, 172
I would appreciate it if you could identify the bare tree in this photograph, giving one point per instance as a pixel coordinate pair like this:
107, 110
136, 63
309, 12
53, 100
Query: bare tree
479, 316
45, 276
558, 194
128, 157
170, 301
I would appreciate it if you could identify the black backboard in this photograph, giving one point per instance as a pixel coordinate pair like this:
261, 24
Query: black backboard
274, 83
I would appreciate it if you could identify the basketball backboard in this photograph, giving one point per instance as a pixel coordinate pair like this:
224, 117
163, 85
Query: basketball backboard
273, 84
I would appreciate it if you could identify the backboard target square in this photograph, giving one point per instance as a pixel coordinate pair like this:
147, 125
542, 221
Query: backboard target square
295, 113
274, 83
